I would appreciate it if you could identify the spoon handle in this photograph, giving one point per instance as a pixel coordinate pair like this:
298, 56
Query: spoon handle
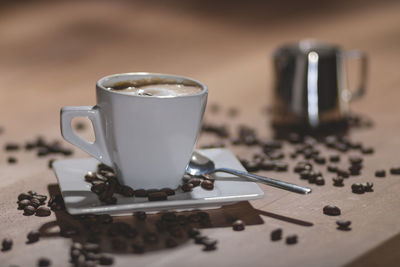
268, 181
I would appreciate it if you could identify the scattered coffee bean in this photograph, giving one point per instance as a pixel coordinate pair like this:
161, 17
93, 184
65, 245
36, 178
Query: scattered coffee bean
43, 212
355, 160
23, 203
44, 262
126, 191
238, 225
208, 185
319, 181
157, 196
188, 187
331, 210
195, 181
343, 225
193, 232
7, 244
281, 166
367, 150
276, 234
291, 239
12, 160
11, 147
380, 173
29, 210
320, 160
334, 158
395, 170
209, 244
106, 260
357, 188
23, 196
343, 173
33, 236
332, 168
267, 165
140, 193
35, 202
338, 181
168, 191
368, 187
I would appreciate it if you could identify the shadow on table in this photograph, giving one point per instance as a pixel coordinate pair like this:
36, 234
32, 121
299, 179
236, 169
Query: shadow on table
113, 239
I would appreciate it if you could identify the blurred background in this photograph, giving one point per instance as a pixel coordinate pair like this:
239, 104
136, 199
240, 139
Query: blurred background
53, 52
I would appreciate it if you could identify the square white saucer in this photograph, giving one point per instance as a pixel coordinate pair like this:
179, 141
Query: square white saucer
227, 190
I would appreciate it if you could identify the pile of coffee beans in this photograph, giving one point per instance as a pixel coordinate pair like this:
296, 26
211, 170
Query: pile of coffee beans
32, 203
88, 254
105, 184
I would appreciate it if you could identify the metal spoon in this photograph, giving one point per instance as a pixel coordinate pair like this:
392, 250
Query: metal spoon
200, 164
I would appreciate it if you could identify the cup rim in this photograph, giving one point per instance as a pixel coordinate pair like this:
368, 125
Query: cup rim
100, 82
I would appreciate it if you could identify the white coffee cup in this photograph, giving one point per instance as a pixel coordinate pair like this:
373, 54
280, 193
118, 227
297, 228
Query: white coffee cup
147, 140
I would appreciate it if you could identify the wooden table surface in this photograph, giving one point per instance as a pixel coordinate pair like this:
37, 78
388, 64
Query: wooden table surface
52, 53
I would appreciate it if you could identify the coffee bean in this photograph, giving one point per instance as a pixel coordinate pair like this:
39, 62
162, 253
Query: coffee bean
186, 178
126, 191
193, 232
41, 198
168, 191
332, 168
33, 236
29, 210
357, 188
195, 181
7, 244
281, 166
209, 244
43, 212
367, 150
35, 202
267, 165
252, 166
150, 237
12, 160
43, 151
319, 181
380, 173
320, 160
23, 203
355, 160
305, 175
312, 177
291, 239
44, 262
106, 260
98, 188
208, 185
198, 239
11, 147
140, 193
293, 155
91, 247
140, 215
331, 210
238, 225
368, 187
338, 181
157, 196
276, 234
341, 147
23, 196
343, 173
90, 176
170, 243
334, 158
395, 170
343, 225
188, 187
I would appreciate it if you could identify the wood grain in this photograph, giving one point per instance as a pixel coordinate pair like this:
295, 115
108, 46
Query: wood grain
52, 53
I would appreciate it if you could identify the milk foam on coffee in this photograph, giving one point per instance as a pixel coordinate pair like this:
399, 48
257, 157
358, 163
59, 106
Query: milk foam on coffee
161, 90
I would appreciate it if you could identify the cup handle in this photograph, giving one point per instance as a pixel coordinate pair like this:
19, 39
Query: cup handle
98, 148
362, 57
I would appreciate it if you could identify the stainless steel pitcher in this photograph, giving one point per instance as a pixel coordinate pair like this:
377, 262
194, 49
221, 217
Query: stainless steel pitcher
311, 87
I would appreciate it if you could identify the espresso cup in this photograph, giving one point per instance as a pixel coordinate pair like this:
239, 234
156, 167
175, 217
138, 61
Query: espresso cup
148, 140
